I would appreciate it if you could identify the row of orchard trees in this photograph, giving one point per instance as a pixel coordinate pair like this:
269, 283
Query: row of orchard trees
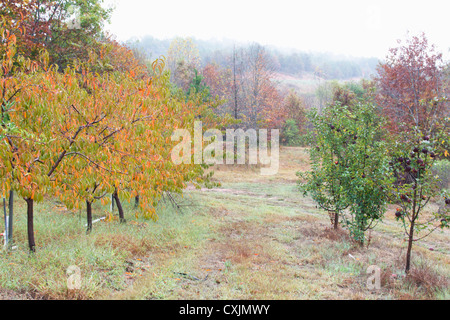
377, 146
100, 126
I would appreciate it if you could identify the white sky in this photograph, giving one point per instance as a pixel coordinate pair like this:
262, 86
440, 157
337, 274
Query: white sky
357, 28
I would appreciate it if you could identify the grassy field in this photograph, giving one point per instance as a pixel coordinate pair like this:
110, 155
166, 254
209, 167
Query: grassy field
253, 238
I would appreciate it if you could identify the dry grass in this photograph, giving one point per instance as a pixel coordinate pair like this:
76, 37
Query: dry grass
124, 242
427, 280
292, 159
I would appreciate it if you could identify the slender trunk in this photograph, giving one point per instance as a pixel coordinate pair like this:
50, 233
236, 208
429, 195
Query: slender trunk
411, 232
234, 85
11, 215
360, 229
136, 202
410, 244
30, 225
89, 216
112, 203
336, 220
360, 240
119, 207
5, 213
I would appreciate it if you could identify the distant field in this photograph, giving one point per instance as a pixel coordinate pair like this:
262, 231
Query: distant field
302, 85
305, 84
253, 238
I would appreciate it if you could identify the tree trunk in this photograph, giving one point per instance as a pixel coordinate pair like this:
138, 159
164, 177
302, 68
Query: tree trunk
336, 220
30, 225
410, 244
411, 232
136, 202
235, 85
5, 213
360, 231
119, 207
89, 216
360, 241
112, 203
11, 216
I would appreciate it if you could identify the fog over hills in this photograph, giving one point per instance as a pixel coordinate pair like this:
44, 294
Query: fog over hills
287, 61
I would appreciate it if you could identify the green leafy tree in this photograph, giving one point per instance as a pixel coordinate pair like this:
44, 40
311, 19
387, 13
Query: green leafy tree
325, 182
198, 86
291, 133
366, 170
348, 170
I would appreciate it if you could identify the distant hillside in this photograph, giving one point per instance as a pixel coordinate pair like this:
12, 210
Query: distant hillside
294, 63
306, 83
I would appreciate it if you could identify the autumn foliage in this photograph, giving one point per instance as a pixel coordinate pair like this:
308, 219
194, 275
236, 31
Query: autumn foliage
411, 86
247, 88
67, 29
101, 126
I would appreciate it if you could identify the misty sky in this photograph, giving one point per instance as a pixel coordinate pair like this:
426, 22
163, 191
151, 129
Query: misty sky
357, 28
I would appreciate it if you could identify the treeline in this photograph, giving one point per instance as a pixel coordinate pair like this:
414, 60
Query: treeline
245, 86
295, 63
243, 78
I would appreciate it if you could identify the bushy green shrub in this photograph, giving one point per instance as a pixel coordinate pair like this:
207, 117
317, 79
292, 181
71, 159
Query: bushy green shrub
291, 133
348, 166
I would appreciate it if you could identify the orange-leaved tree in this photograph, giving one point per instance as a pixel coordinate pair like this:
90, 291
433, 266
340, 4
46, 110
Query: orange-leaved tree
29, 131
102, 126
410, 86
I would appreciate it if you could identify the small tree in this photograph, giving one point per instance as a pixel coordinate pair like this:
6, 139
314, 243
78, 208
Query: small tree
366, 171
291, 134
416, 186
295, 109
348, 166
198, 86
324, 183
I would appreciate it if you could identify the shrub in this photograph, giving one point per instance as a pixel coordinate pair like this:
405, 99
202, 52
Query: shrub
291, 133
348, 166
